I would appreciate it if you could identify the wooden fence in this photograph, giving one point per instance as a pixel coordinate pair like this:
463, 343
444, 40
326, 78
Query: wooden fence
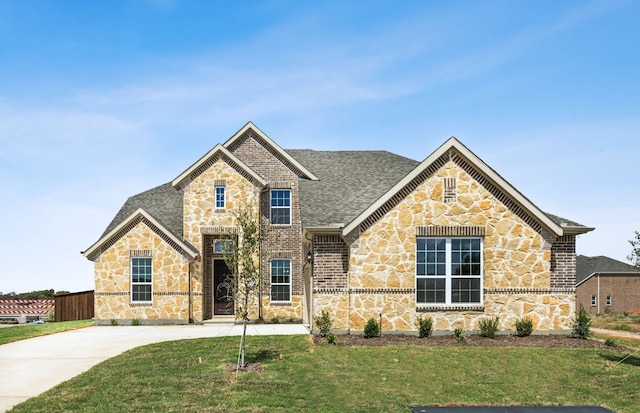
74, 306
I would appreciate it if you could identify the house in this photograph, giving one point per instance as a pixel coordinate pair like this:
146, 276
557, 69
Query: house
606, 285
359, 234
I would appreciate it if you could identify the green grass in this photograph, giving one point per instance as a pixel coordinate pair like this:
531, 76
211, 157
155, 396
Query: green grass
21, 332
298, 376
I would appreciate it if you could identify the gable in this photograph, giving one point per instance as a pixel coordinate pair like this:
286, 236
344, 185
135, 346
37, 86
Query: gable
264, 155
209, 159
137, 218
454, 151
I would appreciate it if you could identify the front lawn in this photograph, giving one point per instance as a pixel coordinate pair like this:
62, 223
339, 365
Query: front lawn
188, 376
20, 332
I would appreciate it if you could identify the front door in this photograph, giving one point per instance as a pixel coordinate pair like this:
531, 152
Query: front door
222, 299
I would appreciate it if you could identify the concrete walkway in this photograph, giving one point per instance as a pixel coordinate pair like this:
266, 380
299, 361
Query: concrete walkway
30, 367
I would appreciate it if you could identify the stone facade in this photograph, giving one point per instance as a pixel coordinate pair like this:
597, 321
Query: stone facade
360, 269
379, 279
113, 279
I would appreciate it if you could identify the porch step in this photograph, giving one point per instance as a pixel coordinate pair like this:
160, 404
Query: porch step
220, 319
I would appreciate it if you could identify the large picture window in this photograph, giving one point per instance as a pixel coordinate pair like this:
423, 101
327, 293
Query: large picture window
449, 271
141, 279
281, 280
280, 206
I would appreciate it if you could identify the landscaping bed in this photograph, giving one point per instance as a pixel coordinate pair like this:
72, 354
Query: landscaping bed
471, 340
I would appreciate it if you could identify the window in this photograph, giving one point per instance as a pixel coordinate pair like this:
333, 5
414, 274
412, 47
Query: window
281, 206
449, 271
222, 246
281, 280
220, 200
608, 301
594, 301
141, 279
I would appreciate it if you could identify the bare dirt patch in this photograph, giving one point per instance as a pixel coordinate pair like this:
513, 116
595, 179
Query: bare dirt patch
471, 340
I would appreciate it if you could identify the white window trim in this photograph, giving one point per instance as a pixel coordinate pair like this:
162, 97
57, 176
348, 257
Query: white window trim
448, 275
140, 283
594, 301
224, 197
609, 301
271, 283
271, 207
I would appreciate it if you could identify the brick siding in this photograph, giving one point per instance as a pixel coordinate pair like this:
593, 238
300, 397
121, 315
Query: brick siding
330, 262
563, 262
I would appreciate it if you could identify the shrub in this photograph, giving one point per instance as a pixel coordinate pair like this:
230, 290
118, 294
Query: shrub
424, 325
458, 334
324, 323
489, 326
610, 342
371, 329
581, 326
524, 327
135, 322
332, 339
114, 322
275, 320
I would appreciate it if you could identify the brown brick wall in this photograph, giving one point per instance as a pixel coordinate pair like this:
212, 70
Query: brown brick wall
282, 240
563, 262
330, 262
624, 290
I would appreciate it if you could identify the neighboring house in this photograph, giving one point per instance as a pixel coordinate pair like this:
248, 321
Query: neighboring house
360, 234
604, 284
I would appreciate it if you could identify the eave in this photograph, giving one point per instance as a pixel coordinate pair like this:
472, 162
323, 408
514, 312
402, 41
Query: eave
184, 248
194, 170
455, 145
281, 152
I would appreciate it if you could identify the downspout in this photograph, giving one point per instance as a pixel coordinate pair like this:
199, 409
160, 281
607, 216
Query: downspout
598, 297
190, 293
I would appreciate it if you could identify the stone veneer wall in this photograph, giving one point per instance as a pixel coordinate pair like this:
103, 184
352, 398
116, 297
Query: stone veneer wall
201, 217
113, 280
517, 261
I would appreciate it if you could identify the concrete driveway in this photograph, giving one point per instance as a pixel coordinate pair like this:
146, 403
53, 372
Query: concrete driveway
30, 367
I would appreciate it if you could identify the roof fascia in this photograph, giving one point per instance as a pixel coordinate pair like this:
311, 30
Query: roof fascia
573, 230
218, 148
455, 144
270, 142
188, 249
586, 278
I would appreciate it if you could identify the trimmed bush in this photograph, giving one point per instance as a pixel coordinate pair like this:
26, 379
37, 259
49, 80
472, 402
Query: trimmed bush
424, 324
610, 342
489, 326
324, 323
371, 329
581, 327
458, 334
524, 327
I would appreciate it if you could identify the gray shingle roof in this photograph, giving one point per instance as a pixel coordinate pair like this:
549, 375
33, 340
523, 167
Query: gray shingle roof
164, 203
348, 182
585, 266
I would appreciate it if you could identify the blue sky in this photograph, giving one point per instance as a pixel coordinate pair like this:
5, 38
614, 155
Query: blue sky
103, 100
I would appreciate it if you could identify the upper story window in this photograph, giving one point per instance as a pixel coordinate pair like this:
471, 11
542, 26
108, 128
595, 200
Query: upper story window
280, 206
141, 279
449, 271
220, 197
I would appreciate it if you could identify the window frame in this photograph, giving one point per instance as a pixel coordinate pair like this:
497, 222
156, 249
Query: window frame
217, 200
448, 275
273, 284
273, 208
609, 301
594, 301
134, 284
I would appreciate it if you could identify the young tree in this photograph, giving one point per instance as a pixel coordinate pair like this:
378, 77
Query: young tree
634, 257
242, 256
